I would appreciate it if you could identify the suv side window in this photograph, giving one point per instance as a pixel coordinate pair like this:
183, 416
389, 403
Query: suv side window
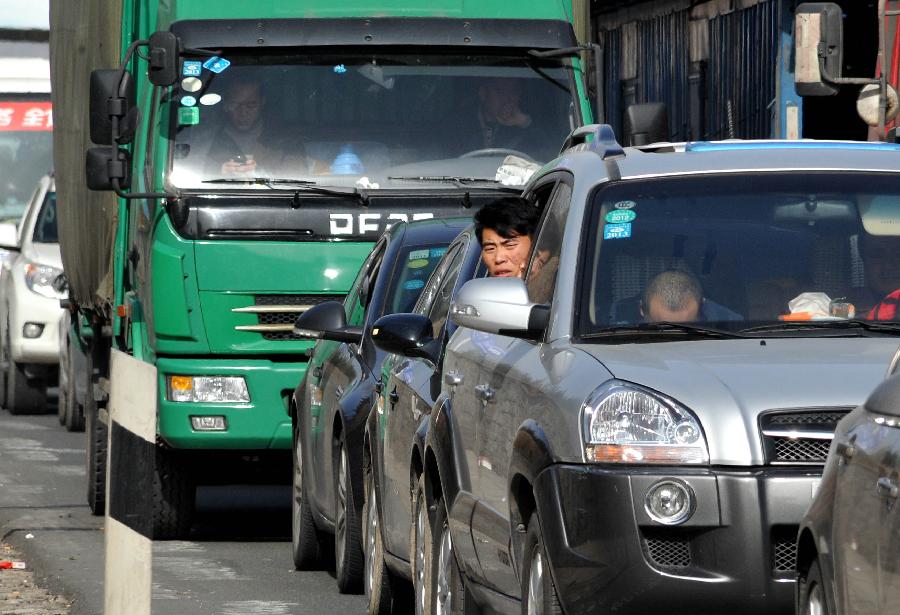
541, 276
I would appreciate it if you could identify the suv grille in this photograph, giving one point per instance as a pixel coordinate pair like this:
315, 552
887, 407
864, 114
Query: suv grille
277, 324
667, 550
799, 436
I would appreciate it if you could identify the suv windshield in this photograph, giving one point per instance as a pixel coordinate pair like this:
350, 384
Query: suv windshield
25, 153
743, 253
399, 120
45, 229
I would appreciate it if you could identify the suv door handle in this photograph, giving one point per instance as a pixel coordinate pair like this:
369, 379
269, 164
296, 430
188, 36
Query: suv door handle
393, 397
453, 378
484, 392
888, 488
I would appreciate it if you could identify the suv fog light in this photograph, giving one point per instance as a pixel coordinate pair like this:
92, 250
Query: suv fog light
209, 423
208, 389
32, 330
670, 502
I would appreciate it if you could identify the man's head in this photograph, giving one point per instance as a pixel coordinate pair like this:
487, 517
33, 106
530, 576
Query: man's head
499, 101
243, 104
672, 296
881, 257
505, 228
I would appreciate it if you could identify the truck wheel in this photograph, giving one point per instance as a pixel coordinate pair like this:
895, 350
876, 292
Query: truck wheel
173, 497
378, 580
96, 431
539, 595
306, 542
448, 587
348, 556
22, 396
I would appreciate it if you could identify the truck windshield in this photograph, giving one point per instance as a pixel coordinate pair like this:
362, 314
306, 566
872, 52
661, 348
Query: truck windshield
397, 120
26, 147
815, 253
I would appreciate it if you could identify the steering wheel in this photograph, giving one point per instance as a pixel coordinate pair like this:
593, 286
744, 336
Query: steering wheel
496, 151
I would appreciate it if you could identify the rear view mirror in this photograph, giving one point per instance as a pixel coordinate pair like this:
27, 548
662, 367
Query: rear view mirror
646, 123
102, 165
163, 53
818, 48
9, 236
106, 103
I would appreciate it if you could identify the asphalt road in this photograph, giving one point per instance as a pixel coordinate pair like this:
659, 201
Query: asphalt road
237, 563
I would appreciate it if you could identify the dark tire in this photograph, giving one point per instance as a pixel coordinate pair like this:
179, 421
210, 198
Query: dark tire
348, 555
24, 396
420, 555
448, 595
813, 594
539, 595
73, 413
96, 432
378, 580
173, 496
306, 541
62, 400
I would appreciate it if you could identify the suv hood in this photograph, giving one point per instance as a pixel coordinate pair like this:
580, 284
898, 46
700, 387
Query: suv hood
728, 383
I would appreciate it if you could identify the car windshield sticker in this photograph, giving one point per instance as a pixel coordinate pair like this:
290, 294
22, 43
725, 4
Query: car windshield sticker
438, 252
210, 99
417, 254
619, 216
188, 116
418, 263
340, 69
617, 231
624, 205
216, 64
191, 84
413, 284
192, 68
188, 101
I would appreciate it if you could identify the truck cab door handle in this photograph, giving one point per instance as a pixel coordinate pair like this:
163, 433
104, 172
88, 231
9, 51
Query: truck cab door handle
453, 378
393, 397
484, 392
888, 488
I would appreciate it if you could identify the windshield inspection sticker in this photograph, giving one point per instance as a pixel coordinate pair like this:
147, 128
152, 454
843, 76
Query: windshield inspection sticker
413, 284
188, 101
216, 64
625, 205
192, 68
617, 231
417, 254
620, 216
191, 84
438, 252
188, 116
210, 99
418, 263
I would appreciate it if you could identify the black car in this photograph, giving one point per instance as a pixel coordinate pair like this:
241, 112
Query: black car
848, 547
331, 403
396, 531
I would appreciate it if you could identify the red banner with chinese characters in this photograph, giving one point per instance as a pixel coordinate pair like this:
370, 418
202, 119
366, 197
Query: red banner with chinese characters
25, 115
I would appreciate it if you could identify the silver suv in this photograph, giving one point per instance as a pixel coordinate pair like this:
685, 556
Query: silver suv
640, 423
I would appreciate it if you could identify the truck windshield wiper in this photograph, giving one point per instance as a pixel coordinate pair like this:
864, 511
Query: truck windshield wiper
301, 185
890, 328
464, 182
656, 328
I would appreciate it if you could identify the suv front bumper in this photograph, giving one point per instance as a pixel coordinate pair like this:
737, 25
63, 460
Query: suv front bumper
735, 554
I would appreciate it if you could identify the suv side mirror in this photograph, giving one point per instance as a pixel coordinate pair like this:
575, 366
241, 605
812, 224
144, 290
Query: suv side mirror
9, 236
163, 53
326, 321
106, 103
408, 335
646, 123
818, 48
499, 305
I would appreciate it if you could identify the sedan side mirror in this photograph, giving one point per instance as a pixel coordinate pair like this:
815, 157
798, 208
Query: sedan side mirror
327, 321
499, 305
9, 236
408, 335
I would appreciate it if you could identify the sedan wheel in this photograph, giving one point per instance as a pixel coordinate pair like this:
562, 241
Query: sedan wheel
378, 581
421, 550
348, 555
304, 536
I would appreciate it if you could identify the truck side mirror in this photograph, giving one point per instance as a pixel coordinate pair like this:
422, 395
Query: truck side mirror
163, 53
646, 123
110, 98
102, 165
818, 48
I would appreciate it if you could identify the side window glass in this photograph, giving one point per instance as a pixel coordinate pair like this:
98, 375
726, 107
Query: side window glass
430, 292
441, 306
353, 301
541, 277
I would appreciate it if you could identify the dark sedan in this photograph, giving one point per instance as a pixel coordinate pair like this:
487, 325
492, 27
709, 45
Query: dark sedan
330, 405
848, 551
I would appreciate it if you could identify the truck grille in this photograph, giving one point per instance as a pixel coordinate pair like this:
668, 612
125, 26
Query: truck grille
667, 550
799, 436
276, 314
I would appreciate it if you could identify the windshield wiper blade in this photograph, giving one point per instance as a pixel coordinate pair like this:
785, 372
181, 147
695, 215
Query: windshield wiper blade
465, 182
302, 185
263, 181
664, 327
835, 325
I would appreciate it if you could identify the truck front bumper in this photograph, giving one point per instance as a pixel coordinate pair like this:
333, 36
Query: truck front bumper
263, 423
735, 554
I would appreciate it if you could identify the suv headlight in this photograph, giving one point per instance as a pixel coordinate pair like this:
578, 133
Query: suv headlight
626, 423
40, 278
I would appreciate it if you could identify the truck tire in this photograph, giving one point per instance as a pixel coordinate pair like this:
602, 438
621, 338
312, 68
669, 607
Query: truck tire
24, 396
174, 492
96, 432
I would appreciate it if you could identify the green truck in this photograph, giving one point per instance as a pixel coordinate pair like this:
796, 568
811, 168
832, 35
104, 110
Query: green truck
245, 157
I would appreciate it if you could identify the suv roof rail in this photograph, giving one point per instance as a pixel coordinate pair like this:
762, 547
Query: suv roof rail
603, 142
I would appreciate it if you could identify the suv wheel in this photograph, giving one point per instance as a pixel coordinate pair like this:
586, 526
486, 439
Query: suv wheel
305, 538
24, 395
377, 577
448, 588
348, 556
538, 591
812, 593
73, 412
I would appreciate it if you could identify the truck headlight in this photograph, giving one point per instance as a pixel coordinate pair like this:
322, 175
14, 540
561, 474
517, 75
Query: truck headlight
207, 389
626, 423
40, 278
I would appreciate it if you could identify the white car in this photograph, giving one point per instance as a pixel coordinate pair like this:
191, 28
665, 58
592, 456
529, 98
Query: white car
29, 307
